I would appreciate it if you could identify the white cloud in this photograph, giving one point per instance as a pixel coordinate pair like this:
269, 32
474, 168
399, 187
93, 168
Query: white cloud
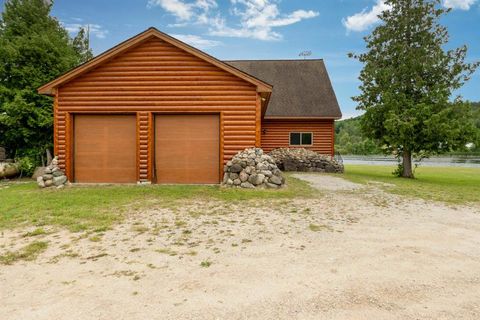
459, 4
178, 8
256, 18
183, 10
96, 30
363, 20
197, 41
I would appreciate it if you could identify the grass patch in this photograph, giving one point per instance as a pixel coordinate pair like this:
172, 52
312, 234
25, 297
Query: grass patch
34, 233
82, 208
168, 251
321, 227
95, 238
205, 264
449, 184
27, 253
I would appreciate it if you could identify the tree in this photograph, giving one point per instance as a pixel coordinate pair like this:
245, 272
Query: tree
81, 43
34, 49
408, 80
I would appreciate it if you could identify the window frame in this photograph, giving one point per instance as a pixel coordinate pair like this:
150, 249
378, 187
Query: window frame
301, 136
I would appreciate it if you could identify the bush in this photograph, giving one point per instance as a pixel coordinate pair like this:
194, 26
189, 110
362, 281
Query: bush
26, 166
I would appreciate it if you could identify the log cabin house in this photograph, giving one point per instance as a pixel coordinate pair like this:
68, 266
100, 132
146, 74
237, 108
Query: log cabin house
154, 109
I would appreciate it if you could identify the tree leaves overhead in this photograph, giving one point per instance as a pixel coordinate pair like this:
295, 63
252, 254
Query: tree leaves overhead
34, 49
408, 80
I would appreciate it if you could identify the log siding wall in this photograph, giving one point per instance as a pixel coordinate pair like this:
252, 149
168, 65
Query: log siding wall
157, 77
276, 134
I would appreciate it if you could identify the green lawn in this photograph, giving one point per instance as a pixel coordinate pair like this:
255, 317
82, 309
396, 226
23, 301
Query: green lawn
98, 207
448, 184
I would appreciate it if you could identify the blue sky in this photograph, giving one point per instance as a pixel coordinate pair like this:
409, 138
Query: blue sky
265, 29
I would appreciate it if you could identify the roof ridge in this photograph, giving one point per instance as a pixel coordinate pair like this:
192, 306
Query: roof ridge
274, 60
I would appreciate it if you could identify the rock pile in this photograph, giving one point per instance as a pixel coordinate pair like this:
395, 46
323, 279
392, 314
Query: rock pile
251, 168
53, 176
301, 159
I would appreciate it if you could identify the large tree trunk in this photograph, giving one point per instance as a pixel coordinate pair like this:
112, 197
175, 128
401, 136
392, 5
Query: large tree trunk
407, 164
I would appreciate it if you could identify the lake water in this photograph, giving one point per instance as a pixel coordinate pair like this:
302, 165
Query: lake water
454, 161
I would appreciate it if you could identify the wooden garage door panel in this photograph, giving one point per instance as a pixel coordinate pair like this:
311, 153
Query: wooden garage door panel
105, 148
187, 148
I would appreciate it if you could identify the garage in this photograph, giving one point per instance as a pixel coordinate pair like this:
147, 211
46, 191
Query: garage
154, 110
187, 149
105, 148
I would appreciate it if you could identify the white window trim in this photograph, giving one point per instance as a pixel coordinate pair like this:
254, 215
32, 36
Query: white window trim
299, 145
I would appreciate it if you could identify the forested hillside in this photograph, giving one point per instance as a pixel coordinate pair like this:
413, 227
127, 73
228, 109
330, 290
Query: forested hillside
349, 138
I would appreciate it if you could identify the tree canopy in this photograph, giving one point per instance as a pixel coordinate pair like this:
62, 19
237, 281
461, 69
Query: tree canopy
408, 81
34, 49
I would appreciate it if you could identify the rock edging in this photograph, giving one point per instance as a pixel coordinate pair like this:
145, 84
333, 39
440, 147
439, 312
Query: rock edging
252, 168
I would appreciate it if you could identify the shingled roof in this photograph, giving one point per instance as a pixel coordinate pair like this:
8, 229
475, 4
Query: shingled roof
301, 88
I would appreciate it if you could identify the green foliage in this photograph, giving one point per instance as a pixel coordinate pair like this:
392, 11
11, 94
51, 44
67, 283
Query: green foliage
408, 80
26, 166
349, 138
398, 170
82, 46
476, 120
34, 49
205, 263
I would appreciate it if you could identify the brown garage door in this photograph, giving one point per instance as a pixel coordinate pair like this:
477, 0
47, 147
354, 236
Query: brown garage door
105, 148
187, 148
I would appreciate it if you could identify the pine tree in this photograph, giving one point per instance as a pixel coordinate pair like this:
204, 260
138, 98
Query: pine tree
407, 84
34, 49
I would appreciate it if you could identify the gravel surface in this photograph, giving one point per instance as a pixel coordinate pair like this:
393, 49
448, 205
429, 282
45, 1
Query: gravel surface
357, 253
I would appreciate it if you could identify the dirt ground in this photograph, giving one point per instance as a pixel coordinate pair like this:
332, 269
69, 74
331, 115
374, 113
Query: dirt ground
353, 253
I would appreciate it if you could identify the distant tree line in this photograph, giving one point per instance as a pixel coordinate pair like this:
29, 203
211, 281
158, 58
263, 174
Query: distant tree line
350, 139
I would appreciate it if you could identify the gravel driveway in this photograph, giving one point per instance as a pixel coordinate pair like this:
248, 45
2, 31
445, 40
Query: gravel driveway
352, 253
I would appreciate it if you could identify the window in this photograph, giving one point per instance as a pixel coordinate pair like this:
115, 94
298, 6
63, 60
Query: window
301, 138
